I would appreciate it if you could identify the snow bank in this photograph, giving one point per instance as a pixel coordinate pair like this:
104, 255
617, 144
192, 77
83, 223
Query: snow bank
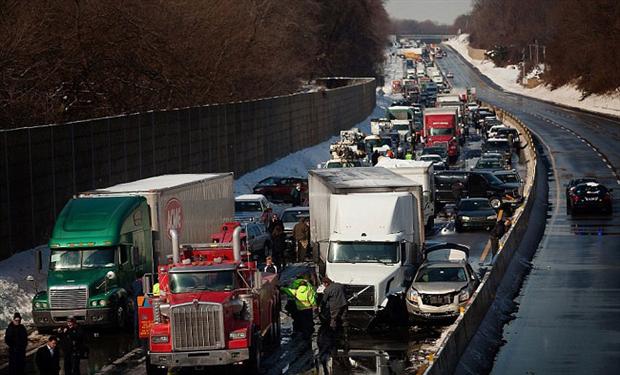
507, 78
15, 292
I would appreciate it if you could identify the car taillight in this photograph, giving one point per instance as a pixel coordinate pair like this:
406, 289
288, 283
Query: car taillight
574, 198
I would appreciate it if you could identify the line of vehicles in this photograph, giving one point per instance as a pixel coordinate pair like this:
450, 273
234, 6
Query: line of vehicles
192, 238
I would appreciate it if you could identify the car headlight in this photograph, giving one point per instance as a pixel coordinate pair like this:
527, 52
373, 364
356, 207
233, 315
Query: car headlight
160, 339
412, 295
464, 295
492, 217
237, 335
465, 218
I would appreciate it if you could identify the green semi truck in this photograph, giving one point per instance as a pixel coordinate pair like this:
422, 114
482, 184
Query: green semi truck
104, 239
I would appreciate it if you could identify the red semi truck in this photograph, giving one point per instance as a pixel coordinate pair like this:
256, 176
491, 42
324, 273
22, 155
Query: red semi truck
214, 307
441, 129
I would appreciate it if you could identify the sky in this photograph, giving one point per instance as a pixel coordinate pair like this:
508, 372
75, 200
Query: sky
441, 11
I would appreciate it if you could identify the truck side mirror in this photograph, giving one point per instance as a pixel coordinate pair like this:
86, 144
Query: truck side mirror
38, 260
31, 279
147, 282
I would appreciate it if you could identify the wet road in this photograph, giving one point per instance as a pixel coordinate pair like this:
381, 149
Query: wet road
568, 306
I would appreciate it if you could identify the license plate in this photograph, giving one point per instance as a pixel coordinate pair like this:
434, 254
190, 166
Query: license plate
592, 199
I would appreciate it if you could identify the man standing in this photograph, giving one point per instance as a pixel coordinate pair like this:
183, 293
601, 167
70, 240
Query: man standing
16, 338
72, 341
302, 301
334, 304
496, 233
296, 195
301, 234
48, 358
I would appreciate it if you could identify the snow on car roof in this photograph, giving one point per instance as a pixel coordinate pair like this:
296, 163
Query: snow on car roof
250, 197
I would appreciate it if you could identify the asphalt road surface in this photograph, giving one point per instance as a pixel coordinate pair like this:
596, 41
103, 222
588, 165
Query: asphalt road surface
569, 304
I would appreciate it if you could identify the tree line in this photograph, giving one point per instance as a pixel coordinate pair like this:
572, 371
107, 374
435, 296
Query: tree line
67, 60
580, 38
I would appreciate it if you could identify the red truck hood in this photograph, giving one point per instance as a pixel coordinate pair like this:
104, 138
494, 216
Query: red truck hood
215, 297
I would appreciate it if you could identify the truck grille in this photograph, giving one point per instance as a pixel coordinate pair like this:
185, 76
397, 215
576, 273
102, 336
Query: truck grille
360, 295
68, 298
197, 326
437, 299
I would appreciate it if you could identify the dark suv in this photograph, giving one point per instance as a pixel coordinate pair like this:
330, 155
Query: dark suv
450, 184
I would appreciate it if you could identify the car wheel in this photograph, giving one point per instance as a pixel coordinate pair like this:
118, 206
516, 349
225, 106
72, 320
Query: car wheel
496, 203
253, 364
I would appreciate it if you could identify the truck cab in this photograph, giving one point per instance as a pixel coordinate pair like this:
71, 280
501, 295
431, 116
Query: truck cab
214, 308
98, 248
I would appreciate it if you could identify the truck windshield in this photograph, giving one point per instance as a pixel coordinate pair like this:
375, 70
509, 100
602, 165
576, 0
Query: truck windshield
441, 131
400, 115
363, 252
81, 258
184, 282
401, 127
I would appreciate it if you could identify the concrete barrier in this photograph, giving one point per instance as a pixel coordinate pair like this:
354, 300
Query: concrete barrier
465, 327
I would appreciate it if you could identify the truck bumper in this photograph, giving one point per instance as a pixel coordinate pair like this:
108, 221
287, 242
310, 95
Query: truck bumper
199, 358
86, 317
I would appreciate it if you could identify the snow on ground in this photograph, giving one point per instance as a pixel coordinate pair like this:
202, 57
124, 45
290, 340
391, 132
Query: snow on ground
507, 78
15, 292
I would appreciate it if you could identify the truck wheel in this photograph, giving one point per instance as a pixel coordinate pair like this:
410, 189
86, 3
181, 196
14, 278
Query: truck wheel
495, 202
120, 314
253, 364
154, 370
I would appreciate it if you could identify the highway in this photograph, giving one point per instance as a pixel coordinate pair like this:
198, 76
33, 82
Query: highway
566, 321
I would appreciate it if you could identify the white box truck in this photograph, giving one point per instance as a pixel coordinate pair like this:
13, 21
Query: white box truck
421, 173
196, 205
368, 227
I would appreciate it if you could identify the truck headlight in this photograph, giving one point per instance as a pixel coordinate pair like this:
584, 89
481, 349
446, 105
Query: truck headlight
465, 218
464, 296
237, 335
492, 217
103, 303
94, 303
412, 295
160, 339
40, 305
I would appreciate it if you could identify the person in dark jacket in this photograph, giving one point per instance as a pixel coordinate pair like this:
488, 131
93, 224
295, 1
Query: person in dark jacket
48, 358
496, 233
334, 303
301, 234
16, 338
296, 195
278, 241
374, 158
274, 222
72, 342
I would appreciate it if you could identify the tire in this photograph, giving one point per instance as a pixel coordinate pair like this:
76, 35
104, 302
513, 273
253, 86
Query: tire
253, 364
120, 314
152, 369
495, 202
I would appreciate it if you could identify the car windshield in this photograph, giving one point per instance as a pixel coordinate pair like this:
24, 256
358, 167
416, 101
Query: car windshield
441, 131
488, 163
82, 258
474, 205
497, 145
248, 206
590, 189
509, 177
292, 216
441, 274
183, 282
363, 252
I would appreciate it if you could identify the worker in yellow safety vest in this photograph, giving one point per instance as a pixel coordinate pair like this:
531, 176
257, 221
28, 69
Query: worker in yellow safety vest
301, 304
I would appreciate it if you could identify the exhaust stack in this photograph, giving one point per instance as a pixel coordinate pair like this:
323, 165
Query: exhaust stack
174, 236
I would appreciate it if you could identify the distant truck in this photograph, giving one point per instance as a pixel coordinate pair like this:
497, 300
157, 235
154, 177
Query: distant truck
421, 173
441, 129
367, 227
104, 238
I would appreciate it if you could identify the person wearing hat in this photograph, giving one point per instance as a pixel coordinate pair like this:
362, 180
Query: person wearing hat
16, 338
72, 343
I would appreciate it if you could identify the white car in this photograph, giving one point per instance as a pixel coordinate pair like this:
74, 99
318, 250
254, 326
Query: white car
450, 75
250, 207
